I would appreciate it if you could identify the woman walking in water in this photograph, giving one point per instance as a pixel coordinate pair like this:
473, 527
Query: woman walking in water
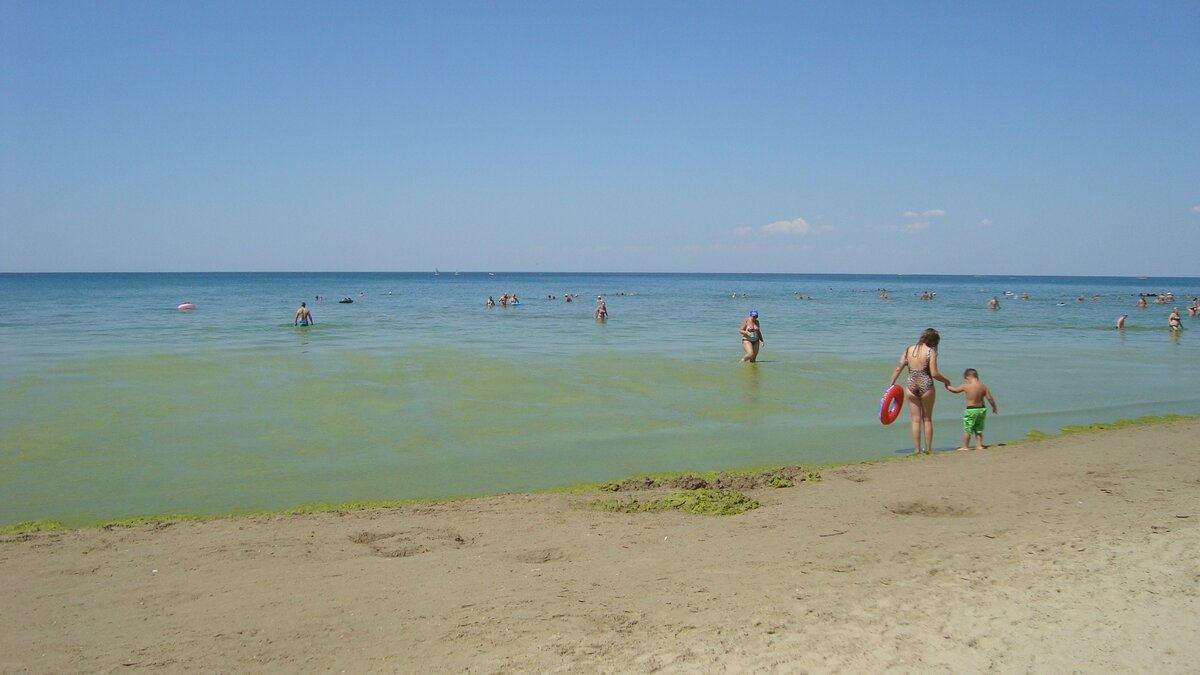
921, 361
752, 337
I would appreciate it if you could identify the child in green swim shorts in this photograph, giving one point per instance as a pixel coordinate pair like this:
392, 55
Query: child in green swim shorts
975, 415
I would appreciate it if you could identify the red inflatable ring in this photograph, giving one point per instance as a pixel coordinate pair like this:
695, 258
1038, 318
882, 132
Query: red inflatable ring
889, 407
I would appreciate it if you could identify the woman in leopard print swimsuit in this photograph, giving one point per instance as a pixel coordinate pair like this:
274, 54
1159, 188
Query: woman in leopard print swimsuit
921, 361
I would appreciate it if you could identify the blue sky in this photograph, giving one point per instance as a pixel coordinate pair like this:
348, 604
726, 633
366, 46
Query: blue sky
857, 137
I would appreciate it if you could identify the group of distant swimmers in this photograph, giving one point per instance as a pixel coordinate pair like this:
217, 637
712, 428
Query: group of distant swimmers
1174, 322
751, 330
507, 299
799, 296
994, 303
920, 359
1173, 319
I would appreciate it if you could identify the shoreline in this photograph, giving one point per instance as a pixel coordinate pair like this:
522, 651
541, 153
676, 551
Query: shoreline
1073, 553
186, 416
52, 525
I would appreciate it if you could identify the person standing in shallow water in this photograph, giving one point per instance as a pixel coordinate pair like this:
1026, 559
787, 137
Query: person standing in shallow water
303, 316
752, 337
921, 361
1173, 321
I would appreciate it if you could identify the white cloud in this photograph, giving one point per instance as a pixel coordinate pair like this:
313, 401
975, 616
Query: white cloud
1196, 209
917, 227
798, 226
931, 213
986, 221
911, 214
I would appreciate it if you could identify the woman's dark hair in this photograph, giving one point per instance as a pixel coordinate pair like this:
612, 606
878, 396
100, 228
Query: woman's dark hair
930, 338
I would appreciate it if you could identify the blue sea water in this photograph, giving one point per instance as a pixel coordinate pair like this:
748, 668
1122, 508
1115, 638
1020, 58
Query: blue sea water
114, 403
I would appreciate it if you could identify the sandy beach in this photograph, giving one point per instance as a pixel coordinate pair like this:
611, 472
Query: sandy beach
1078, 553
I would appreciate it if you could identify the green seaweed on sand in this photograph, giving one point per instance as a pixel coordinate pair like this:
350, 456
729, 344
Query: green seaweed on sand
778, 481
782, 481
702, 501
718, 480
1121, 423
33, 526
1036, 435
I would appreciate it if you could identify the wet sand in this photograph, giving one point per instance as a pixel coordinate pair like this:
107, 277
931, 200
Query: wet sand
1073, 554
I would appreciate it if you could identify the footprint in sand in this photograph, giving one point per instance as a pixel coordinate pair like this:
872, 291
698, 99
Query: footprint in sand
408, 543
921, 507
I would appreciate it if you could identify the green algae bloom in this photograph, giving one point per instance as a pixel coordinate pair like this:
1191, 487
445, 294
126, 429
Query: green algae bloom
1037, 435
32, 526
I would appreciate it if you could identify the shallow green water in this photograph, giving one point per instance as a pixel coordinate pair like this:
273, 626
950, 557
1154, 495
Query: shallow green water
158, 411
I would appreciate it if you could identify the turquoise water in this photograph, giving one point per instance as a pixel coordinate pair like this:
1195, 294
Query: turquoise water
115, 404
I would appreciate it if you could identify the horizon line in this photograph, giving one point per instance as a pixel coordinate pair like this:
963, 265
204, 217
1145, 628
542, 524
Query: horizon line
435, 272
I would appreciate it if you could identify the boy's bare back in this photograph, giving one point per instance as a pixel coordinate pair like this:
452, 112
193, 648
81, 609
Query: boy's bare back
975, 390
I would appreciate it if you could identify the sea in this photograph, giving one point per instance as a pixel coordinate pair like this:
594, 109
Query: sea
115, 404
